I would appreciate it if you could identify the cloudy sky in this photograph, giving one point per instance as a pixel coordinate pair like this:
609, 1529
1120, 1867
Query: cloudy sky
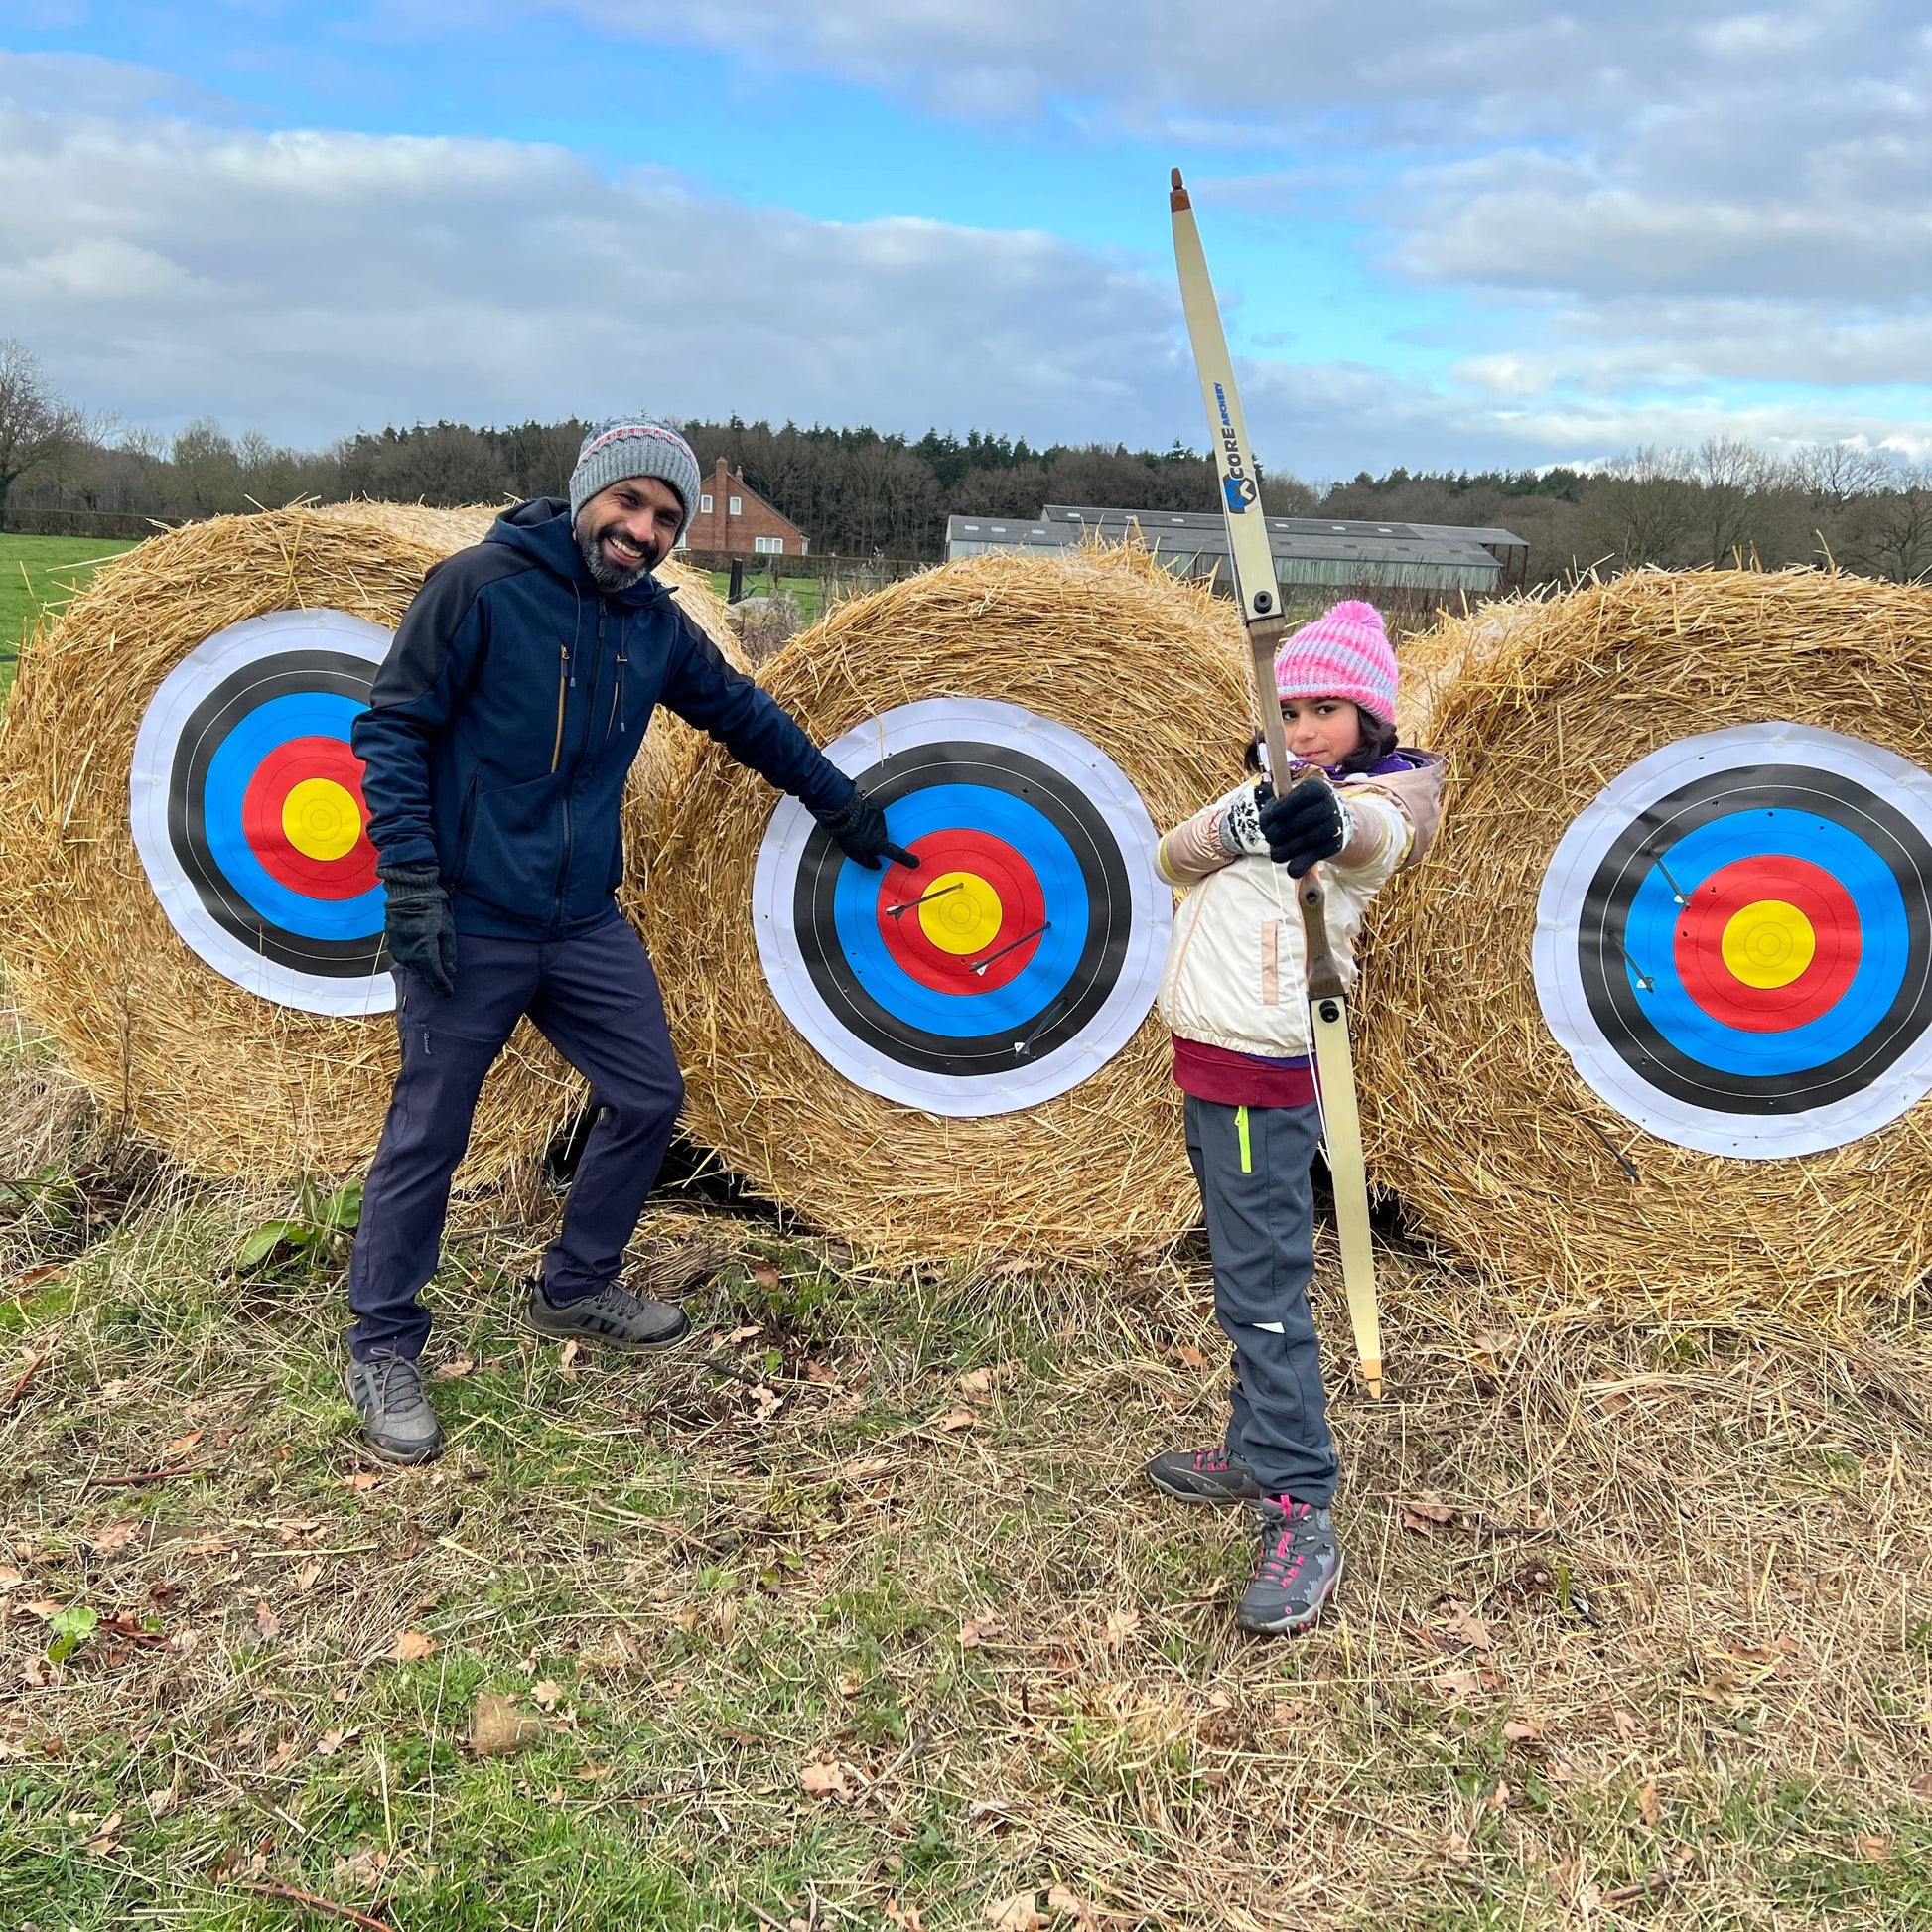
1446, 232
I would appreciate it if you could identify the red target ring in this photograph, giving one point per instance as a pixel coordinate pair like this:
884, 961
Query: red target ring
1004, 950
308, 857
1820, 900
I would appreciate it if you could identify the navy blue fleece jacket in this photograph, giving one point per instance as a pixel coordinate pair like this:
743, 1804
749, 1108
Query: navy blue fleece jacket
507, 715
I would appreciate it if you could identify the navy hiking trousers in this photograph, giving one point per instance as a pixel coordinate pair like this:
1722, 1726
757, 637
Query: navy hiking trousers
1252, 1164
596, 1001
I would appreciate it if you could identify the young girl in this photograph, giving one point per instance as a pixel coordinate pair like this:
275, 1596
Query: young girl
1235, 997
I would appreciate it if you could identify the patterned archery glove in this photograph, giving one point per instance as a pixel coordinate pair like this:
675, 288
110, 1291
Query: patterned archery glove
417, 926
1308, 824
859, 828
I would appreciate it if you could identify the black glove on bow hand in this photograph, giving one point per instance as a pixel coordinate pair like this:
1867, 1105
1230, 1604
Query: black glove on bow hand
417, 926
1307, 824
859, 828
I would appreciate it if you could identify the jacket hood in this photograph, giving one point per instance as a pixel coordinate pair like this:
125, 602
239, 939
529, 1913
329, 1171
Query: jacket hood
541, 530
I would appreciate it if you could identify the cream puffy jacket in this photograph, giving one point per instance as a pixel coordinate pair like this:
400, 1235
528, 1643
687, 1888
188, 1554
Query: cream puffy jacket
1236, 972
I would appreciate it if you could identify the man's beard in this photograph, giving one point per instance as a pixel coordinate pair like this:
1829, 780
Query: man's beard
603, 573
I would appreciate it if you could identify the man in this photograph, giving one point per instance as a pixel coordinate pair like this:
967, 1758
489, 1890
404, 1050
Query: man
498, 741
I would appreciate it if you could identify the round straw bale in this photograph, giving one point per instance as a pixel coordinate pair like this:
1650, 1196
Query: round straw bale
1150, 669
230, 1083
1474, 1113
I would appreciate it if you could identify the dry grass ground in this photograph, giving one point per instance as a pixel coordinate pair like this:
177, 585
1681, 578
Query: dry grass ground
856, 1612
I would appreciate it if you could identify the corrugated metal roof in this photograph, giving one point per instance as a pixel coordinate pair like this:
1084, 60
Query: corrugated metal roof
1090, 517
1206, 536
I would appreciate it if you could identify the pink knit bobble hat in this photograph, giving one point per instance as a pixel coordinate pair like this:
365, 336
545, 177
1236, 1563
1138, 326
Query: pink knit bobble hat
1344, 653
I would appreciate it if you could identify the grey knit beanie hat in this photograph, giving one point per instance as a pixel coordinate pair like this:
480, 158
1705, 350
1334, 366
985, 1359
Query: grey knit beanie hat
634, 446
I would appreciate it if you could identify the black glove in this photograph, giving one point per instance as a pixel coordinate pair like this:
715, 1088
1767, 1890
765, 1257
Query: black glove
859, 828
418, 927
1303, 826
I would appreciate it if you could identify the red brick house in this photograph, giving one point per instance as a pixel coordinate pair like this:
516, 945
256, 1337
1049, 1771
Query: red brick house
733, 518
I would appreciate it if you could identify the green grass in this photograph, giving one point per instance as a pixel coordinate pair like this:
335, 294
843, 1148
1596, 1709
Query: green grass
807, 592
36, 572
954, 1591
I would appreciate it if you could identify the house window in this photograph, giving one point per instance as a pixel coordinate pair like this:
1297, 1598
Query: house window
704, 504
738, 507
768, 546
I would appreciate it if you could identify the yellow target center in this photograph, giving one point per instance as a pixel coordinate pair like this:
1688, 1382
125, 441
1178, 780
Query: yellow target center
1768, 945
321, 819
961, 914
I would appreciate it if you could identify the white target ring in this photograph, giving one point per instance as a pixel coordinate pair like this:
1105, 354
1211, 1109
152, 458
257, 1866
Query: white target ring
1022, 955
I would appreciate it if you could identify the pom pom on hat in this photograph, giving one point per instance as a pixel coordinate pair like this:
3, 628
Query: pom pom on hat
1344, 653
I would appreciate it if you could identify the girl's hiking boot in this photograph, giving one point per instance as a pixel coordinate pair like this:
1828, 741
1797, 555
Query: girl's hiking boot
1298, 1568
399, 1424
1209, 1475
611, 1315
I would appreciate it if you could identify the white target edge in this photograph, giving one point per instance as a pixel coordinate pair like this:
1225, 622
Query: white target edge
205, 668
1111, 792
1572, 864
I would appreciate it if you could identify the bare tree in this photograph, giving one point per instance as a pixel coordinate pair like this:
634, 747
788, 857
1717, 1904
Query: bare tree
1833, 473
1731, 476
1641, 508
1891, 529
38, 425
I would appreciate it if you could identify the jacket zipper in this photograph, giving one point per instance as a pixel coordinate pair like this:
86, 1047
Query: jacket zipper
576, 761
616, 690
563, 677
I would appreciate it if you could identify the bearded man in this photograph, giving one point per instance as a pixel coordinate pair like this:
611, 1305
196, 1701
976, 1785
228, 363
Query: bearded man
496, 745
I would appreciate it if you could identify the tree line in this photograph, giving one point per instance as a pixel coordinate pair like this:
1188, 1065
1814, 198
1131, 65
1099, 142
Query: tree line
861, 492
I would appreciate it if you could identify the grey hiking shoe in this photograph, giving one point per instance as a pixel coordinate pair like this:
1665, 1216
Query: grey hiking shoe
399, 1424
1210, 1476
1299, 1568
611, 1315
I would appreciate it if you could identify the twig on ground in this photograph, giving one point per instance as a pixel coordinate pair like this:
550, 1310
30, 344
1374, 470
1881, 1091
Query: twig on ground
144, 1475
268, 1888
25, 1375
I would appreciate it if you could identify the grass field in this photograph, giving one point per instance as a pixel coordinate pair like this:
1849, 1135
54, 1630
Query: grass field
36, 572
856, 1613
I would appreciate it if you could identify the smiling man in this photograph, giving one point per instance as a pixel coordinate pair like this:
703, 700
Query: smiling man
496, 745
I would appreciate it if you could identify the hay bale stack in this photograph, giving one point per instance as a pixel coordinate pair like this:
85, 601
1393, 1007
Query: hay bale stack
227, 1082
1474, 1115
1150, 670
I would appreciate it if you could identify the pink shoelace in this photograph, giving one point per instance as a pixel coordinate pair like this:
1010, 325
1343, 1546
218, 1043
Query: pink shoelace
1212, 1461
1282, 1564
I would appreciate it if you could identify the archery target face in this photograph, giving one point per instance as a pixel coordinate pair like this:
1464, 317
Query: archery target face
1018, 959
1732, 941
248, 809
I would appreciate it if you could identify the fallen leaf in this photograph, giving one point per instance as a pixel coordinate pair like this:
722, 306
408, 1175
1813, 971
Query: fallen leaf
280, 1755
116, 1535
745, 1333
290, 1533
724, 1619
11, 1578
1626, 1725
975, 1629
546, 1690
362, 1480
454, 1370
850, 1684
1648, 1808
976, 1382
330, 1741
766, 1275
1467, 1683
1019, 1913
114, 1390
567, 1362
1872, 1848
182, 1443
905, 1917
1187, 1355
769, 1401
206, 1546
1922, 1785
161, 1802
825, 1780
412, 1646
1426, 1514
305, 1577
687, 1619
1120, 1624
953, 1421
44, 1608
1521, 1730
1068, 1903
1462, 1627
500, 1727
590, 1773
1455, 1847
867, 1465
822, 1373
267, 1623
1287, 1709
104, 1841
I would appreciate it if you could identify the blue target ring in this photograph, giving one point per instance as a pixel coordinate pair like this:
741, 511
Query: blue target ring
1776, 832
299, 713
1063, 885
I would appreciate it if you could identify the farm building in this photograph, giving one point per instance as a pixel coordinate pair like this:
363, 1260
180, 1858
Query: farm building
732, 519
1309, 550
